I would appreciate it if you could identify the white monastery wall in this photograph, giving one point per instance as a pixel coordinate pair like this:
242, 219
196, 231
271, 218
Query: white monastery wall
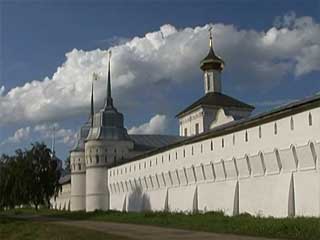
265, 170
62, 202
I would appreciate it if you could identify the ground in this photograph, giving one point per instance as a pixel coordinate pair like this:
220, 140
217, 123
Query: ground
48, 224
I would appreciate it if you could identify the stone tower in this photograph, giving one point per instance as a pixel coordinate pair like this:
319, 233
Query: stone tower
107, 144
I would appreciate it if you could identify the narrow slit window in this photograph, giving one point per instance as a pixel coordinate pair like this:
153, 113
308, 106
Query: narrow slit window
275, 129
246, 136
260, 132
292, 124
234, 139
211, 146
222, 142
310, 119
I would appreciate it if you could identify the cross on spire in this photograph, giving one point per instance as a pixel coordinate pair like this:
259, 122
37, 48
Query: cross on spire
210, 36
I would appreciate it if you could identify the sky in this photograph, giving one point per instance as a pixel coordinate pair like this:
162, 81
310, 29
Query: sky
49, 50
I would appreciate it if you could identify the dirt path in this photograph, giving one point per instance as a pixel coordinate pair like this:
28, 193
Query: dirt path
135, 231
144, 232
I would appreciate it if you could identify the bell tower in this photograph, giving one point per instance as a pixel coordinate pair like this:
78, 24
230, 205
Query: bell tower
212, 66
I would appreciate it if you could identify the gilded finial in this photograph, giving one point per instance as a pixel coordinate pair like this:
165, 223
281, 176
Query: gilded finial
210, 36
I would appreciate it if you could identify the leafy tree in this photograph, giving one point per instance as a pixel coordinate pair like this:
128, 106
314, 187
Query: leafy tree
29, 176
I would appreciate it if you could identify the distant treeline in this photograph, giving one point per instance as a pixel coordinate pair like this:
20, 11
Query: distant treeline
29, 177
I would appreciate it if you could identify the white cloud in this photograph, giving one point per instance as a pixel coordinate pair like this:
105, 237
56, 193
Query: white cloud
62, 135
42, 132
163, 60
158, 124
19, 135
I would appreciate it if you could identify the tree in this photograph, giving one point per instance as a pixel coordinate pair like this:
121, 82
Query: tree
29, 176
46, 174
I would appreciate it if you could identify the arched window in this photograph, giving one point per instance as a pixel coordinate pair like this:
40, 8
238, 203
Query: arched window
222, 142
246, 136
310, 119
275, 128
260, 132
291, 124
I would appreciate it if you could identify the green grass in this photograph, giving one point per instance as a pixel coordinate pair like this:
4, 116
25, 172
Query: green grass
288, 228
14, 229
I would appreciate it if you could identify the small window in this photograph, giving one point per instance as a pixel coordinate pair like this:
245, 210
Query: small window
233, 139
162, 159
185, 132
310, 119
184, 153
292, 124
275, 129
222, 142
197, 128
201, 146
260, 132
211, 146
176, 155
208, 82
192, 150
169, 157
145, 164
246, 137
156, 161
150, 163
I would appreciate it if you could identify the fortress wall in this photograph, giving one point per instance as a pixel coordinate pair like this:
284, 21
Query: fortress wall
219, 196
78, 191
257, 171
265, 196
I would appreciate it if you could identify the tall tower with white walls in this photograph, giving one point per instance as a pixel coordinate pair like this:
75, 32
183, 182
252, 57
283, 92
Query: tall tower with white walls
107, 144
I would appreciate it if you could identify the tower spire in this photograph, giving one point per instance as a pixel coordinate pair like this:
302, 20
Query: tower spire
210, 37
109, 102
94, 78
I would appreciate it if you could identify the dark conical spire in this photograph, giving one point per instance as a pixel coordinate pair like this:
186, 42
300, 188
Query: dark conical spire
211, 61
109, 102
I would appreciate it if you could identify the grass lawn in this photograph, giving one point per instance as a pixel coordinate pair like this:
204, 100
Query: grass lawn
12, 229
288, 228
